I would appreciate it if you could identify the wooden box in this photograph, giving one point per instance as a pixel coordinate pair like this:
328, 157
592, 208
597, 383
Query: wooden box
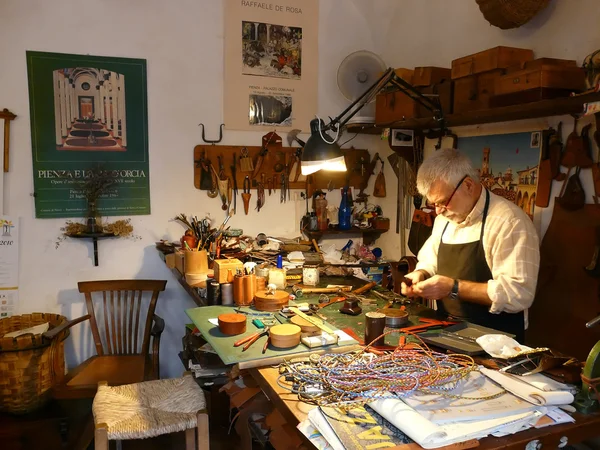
180, 261
394, 106
542, 73
444, 90
473, 93
491, 59
223, 266
427, 76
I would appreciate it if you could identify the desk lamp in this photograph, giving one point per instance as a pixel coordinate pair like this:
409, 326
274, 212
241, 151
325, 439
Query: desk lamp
321, 151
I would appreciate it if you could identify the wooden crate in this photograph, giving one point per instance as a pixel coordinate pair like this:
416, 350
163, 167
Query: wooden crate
541, 74
473, 93
445, 90
394, 106
427, 76
488, 60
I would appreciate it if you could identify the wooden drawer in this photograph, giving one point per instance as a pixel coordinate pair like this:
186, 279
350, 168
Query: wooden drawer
394, 106
542, 76
491, 59
473, 93
427, 76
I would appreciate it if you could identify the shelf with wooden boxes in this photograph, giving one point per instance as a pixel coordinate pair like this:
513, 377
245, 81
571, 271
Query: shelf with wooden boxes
543, 108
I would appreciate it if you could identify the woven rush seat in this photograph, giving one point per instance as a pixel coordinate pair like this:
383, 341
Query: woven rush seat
149, 409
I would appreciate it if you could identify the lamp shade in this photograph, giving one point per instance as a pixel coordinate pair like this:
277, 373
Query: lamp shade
319, 154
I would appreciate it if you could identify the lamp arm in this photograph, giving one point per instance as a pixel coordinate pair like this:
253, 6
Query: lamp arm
389, 76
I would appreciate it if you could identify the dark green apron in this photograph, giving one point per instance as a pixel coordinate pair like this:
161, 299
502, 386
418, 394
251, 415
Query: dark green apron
467, 262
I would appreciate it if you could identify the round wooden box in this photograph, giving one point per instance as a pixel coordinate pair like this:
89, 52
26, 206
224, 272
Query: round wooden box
232, 323
305, 326
285, 335
265, 301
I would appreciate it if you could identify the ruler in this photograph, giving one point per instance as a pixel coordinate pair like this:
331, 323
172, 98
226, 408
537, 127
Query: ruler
314, 320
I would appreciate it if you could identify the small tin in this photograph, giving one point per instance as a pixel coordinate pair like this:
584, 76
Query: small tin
310, 275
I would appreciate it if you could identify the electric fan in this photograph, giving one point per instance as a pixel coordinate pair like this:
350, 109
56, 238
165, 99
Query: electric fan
357, 72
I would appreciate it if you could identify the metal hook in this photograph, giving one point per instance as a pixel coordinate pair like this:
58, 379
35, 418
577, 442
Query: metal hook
212, 142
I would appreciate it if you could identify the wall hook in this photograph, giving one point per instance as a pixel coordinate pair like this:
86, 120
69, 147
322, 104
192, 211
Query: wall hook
215, 141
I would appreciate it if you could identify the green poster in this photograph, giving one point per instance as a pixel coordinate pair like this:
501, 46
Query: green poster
88, 113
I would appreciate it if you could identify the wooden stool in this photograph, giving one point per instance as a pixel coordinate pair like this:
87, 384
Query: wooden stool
151, 408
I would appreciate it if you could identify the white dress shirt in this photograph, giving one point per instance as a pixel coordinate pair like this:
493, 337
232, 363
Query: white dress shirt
511, 247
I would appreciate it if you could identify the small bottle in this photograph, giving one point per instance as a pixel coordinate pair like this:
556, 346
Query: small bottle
345, 212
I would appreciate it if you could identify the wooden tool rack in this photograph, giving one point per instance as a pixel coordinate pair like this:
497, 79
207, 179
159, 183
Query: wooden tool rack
278, 160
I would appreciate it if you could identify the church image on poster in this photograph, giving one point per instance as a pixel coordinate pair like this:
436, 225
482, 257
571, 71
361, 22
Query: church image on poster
508, 165
89, 110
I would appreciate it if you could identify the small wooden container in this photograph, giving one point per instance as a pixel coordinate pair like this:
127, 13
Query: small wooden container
265, 301
305, 326
285, 335
196, 262
232, 323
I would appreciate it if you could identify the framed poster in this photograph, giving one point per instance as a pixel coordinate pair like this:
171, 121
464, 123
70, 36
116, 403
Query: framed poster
508, 164
271, 62
88, 112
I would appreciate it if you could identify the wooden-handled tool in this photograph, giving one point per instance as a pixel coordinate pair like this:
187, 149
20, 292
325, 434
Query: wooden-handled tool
365, 288
246, 194
251, 339
300, 290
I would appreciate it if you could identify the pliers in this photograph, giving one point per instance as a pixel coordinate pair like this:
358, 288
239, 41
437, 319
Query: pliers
427, 324
249, 340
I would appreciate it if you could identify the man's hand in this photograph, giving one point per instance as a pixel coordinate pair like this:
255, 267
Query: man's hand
434, 288
415, 277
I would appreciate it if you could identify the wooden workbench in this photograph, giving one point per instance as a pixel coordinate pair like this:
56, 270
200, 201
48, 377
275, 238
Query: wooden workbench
295, 411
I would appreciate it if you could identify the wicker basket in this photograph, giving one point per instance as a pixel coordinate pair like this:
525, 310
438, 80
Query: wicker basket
508, 14
26, 363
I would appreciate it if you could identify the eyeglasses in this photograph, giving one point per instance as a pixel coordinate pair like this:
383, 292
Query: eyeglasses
445, 204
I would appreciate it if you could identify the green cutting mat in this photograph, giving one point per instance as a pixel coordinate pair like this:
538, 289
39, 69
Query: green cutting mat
223, 344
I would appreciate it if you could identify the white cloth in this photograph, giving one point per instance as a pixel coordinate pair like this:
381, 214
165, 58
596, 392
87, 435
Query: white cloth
511, 246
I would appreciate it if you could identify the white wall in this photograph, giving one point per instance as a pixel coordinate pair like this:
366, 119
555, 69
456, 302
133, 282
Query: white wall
182, 41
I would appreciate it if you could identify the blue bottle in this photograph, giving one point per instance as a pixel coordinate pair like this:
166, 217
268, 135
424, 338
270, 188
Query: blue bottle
345, 212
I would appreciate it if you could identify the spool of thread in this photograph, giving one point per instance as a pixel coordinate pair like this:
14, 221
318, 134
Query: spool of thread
238, 290
261, 283
227, 294
374, 326
212, 292
249, 284
279, 261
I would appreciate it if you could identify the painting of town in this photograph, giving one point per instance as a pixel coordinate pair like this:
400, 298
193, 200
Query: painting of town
508, 164
271, 50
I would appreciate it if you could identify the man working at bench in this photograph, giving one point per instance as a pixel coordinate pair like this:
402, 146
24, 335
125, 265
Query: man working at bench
481, 261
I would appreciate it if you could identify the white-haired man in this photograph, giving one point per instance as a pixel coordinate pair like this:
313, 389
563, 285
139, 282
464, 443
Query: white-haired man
482, 259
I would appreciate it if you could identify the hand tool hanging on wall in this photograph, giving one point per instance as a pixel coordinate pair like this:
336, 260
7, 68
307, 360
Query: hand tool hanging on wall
555, 148
267, 139
235, 186
246, 194
223, 183
260, 192
282, 187
246, 163
379, 186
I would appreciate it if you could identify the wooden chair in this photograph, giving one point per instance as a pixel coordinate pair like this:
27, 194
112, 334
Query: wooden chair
149, 409
122, 320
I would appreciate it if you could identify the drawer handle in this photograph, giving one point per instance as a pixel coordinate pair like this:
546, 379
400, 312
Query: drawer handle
516, 80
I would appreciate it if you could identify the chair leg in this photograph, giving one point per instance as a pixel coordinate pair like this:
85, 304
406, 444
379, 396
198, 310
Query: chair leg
101, 437
203, 433
190, 439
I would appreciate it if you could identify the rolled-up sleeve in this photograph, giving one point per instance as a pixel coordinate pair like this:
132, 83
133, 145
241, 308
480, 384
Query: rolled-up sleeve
514, 260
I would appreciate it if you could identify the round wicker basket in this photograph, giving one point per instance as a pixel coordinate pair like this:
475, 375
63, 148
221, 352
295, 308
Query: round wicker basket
27, 370
508, 14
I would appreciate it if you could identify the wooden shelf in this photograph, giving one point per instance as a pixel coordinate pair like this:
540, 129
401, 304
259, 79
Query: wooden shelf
369, 234
94, 237
543, 108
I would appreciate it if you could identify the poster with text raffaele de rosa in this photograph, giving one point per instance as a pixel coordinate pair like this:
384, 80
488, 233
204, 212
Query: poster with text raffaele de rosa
271, 64
89, 118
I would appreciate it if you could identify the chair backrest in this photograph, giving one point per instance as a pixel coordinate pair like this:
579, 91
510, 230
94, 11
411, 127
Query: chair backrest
121, 314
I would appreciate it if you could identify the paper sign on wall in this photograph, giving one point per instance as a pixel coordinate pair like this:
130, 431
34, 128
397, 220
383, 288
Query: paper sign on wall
9, 265
271, 64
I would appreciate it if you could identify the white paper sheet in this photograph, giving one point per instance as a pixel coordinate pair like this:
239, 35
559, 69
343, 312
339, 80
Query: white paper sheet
528, 392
